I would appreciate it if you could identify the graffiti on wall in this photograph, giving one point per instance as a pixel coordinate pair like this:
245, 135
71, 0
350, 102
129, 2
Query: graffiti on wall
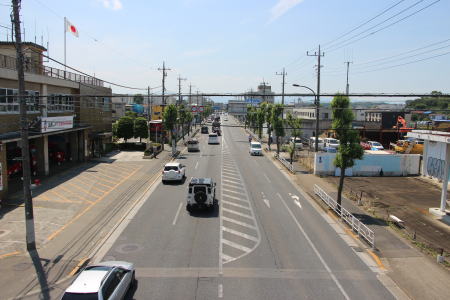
436, 167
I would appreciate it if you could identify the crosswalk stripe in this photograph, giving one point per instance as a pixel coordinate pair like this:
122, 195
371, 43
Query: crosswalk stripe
237, 213
241, 234
237, 246
232, 181
238, 222
235, 204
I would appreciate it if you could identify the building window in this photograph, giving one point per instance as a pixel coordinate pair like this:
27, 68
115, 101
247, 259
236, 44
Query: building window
9, 102
60, 103
325, 115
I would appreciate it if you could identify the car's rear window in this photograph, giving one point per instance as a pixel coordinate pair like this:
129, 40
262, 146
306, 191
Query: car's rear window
168, 168
80, 296
213, 135
192, 142
256, 146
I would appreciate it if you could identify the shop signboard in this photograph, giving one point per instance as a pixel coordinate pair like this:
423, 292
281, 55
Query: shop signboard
50, 124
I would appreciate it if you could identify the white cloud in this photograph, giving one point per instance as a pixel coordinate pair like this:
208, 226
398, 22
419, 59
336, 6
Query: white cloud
282, 7
112, 4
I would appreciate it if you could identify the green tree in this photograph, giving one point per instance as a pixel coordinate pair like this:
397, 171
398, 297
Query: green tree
140, 128
131, 114
170, 117
182, 116
260, 119
269, 122
278, 124
125, 128
189, 119
248, 116
349, 149
295, 125
138, 99
114, 128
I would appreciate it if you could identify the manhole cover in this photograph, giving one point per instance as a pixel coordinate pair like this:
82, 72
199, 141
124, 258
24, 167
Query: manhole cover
22, 266
128, 248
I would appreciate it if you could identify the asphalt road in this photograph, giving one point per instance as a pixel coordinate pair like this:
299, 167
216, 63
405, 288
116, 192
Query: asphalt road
265, 241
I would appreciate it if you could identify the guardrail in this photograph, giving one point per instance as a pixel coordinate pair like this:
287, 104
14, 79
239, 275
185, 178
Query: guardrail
285, 163
356, 225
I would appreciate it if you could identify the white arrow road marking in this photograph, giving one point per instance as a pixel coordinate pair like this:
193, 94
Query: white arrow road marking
267, 177
196, 165
296, 200
265, 200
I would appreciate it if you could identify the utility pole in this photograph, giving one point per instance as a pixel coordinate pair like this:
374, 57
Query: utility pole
282, 91
179, 89
26, 173
190, 93
149, 114
347, 87
164, 74
319, 55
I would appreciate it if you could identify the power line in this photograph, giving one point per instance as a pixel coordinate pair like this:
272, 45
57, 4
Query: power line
364, 23
336, 47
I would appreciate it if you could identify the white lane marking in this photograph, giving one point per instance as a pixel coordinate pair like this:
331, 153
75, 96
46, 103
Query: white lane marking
236, 246
296, 202
233, 186
237, 213
176, 215
226, 257
236, 198
325, 265
233, 181
295, 197
221, 217
267, 178
235, 204
196, 165
220, 292
238, 233
234, 192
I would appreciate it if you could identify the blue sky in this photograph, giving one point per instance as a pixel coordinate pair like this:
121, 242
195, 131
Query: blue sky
232, 45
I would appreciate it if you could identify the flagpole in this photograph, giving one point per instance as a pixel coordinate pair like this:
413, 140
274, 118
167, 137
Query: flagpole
65, 25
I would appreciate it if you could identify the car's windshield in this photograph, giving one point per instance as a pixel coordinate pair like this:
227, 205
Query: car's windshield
376, 144
256, 146
80, 296
169, 168
333, 141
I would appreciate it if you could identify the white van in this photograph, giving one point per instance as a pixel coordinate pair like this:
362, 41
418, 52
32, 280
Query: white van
213, 138
331, 143
193, 145
297, 142
312, 143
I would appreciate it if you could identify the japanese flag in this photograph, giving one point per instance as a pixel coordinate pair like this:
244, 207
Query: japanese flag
71, 28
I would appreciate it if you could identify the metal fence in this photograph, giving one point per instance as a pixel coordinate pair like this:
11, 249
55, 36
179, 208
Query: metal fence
30, 66
347, 216
285, 163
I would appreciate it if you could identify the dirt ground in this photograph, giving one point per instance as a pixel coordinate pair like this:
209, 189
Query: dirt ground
408, 198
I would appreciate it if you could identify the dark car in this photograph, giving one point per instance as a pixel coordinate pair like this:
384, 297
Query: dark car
204, 129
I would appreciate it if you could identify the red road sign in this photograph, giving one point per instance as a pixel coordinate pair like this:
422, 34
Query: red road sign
200, 109
194, 108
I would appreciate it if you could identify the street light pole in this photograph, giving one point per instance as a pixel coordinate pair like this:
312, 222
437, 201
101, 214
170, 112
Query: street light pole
316, 146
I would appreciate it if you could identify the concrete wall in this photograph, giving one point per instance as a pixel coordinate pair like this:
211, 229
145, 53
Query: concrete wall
370, 165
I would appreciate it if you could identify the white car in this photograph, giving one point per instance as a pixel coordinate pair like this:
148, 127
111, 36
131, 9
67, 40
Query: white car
297, 142
213, 138
375, 145
331, 143
201, 194
193, 145
255, 148
173, 171
312, 143
107, 280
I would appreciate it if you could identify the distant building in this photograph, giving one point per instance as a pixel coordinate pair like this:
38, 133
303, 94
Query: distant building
263, 88
308, 116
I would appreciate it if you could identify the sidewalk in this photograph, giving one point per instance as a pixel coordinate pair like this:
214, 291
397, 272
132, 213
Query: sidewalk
73, 212
418, 275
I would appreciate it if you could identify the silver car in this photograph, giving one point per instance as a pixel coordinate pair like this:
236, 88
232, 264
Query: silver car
107, 280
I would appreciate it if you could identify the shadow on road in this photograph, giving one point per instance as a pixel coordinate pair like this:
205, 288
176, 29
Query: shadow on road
40, 274
206, 213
